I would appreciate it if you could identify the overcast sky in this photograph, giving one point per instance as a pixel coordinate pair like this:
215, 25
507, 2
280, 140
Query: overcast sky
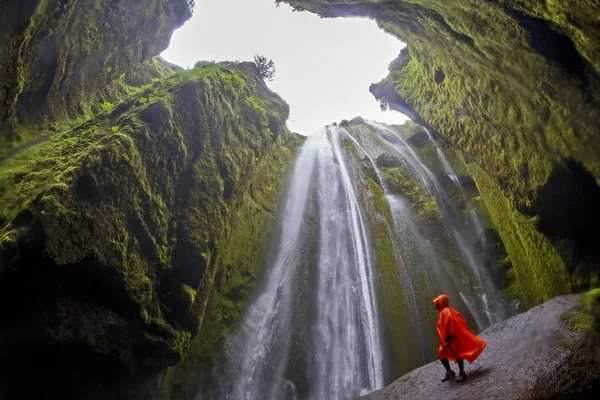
324, 66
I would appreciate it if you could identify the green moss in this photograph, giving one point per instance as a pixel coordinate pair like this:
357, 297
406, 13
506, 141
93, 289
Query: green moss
494, 122
92, 42
429, 156
260, 115
399, 180
538, 271
167, 241
586, 317
242, 255
107, 106
484, 215
387, 265
516, 129
392, 301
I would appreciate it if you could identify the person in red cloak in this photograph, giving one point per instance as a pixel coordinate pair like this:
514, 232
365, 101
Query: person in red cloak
457, 343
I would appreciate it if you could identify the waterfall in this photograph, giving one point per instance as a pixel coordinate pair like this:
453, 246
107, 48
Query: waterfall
478, 232
445, 164
465, 236
315, 328
346, 285
257, 354
341, 357
405, 231
474, 215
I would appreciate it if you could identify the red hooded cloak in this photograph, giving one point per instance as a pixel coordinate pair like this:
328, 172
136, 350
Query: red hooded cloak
453, 330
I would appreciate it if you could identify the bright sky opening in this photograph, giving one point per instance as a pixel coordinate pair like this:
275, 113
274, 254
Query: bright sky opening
324, 66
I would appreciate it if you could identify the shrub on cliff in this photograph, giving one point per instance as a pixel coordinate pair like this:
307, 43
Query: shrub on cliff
265, 66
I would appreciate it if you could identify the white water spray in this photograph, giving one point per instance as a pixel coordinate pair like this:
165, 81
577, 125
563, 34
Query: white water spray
342, 358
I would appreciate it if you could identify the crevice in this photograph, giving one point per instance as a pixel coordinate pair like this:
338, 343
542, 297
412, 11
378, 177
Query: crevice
439, 77
553, 46
567, 206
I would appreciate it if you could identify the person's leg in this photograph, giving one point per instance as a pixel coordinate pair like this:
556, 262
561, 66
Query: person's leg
446, 364
461, 367
449, 373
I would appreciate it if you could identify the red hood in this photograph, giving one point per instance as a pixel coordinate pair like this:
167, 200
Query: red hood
441, 302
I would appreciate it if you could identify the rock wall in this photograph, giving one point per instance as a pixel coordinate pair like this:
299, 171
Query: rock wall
136, 199
56, 55
514, 86
118, 233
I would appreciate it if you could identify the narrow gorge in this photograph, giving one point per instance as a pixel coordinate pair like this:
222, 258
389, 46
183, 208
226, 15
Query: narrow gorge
163, 234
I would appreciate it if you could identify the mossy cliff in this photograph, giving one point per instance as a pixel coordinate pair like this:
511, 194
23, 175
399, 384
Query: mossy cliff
243, 252
136, 199
56, 56
124, 238
513, 86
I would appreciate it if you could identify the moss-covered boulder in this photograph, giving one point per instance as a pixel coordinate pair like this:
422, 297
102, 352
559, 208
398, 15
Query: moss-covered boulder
116, 235
514, 86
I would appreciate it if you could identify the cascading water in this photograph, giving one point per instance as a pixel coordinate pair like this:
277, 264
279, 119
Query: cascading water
445, 164
464, 235
258, 353
476, 231
453, 176
340, 357
314, 329
346, 285
406, 240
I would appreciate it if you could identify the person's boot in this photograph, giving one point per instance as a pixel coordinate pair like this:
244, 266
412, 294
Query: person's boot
449, 375
461, 376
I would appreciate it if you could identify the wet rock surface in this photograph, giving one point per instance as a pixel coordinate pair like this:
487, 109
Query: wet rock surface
521, 351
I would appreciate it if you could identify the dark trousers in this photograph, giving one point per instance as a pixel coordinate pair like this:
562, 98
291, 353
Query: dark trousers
460, 361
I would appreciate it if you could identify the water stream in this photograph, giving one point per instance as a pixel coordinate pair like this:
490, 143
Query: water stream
445, 164
340, 353
314, 328
463, 233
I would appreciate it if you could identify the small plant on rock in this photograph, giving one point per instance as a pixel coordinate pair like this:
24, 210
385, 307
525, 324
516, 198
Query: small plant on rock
266, 67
